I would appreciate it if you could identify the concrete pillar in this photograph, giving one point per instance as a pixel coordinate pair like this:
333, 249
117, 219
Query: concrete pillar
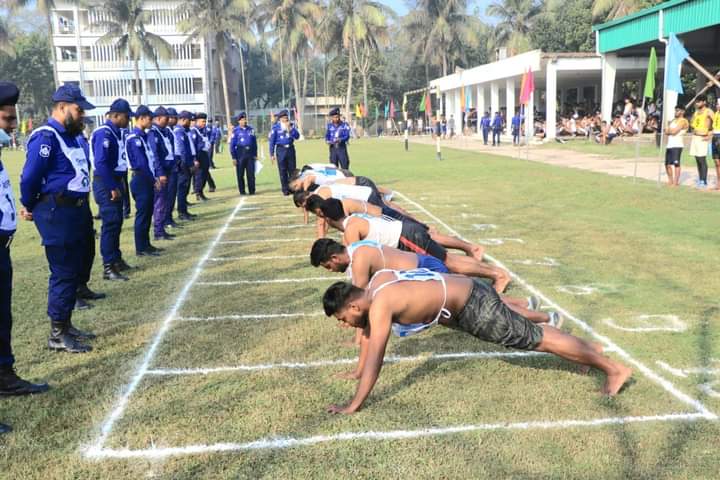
494, 98
480, 104
457, 112
530, 119
550, 99
609, 69
510, 102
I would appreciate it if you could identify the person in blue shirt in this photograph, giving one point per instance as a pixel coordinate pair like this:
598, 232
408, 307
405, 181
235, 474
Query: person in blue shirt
200, 137
161, 144
10, 382
497, 125
282, 149
144, 181
54, 190
244, 150
187, 162
515, 124
485, 127
215, 141
172, 185
337, 136
107, 155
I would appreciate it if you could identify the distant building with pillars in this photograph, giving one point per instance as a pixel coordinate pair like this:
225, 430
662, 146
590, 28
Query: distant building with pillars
190, 80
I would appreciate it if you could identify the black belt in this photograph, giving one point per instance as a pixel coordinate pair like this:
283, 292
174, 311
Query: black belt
5, 240
63, 201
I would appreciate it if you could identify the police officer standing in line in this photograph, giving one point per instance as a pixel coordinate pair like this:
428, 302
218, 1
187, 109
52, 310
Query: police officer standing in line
172, 186
185, 151
485, 127
282, 136
107, 154
337, 136
145, 180
10, 383
244, 150
123, 171
215, 138
55, 186
160, 142
200, 139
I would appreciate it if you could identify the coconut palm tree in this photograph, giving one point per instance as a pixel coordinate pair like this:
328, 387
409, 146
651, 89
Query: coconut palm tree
124, 24
612, 9
516, 18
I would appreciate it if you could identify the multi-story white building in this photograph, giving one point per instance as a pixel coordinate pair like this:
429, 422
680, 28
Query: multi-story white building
190, 80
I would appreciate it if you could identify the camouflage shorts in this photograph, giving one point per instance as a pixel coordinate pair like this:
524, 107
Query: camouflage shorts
486, 317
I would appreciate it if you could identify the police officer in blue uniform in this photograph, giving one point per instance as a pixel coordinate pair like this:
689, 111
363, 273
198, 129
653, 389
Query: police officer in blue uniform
172, 186
215, 139
144, 180
54, 186
485, 127
161, 144
187, 161
200, 138
107, 155
337, 136
10, 383
282, 149
243, 150
497, 126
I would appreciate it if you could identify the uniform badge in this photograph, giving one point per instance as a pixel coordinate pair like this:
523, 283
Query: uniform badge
106, 143
138, 143
45, 151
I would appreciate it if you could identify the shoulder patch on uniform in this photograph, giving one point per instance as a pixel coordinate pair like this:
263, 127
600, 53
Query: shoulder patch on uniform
106, 143
44, 150
138, 143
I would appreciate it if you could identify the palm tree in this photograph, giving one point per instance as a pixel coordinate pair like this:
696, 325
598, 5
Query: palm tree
5, 41
220, 20
516, 19
293, 24
612, 9
124, 24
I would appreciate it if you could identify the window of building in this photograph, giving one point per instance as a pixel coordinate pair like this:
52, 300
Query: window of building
64, 24
89, 89
195, 51
68, 54
197, 84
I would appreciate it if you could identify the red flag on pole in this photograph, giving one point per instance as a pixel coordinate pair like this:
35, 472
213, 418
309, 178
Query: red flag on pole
527, 88
428, 105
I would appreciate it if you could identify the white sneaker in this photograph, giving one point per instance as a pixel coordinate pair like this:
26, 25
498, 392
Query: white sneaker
556, 319
533, 303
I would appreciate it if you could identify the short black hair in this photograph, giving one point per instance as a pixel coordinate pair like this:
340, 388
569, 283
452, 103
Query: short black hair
701, 98
338, 295
314, 202
299, 197
333, 209
306, 168
295, 175
323, 249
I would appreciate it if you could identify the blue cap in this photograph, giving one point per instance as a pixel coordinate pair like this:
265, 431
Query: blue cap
121, 105
9, 94
335, 111
282, 113
144, 111
171, 112
70, 93
185, 115
160, 112
200, 116
241, 115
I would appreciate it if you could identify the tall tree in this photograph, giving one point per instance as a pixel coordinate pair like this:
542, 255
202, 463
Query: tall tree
564, 26
5, 42
516, 18
220, 20
124, 24
612, 9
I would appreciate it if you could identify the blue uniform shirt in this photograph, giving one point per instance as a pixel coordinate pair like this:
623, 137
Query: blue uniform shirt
215, 135
497, 123
137, 154
47, 170
183, 150
280, 137
516, 121
339, 133
243, 143
106, 153
485, 123
201, 140
162, 150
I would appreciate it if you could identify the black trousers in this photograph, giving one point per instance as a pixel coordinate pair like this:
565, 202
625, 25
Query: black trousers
6, 274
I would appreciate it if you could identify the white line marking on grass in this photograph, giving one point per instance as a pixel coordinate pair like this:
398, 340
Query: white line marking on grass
545, 262
290, 442
122, 401
276, 227
668, 323
341, 361
650, 374
472, 215
257, 316
255, 257
276, 280
267, 240
708, 388
264, 217
499, 241
685, 372
484, 226
245, 209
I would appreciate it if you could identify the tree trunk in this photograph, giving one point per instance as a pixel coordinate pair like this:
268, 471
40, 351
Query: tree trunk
53, 55
348, 112
138, 94
296, 86
226, 98
242, 73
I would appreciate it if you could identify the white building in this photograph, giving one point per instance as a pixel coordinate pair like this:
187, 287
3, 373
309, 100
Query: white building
189, 81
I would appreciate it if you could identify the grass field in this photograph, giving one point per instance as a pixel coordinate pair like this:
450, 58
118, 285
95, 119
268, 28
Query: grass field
202, 371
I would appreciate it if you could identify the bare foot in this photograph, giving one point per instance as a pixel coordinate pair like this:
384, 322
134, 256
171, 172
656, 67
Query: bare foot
584, 369
616, 380
477, 252
347, 375
502, 282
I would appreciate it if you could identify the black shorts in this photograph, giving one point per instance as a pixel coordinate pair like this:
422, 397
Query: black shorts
672, 156
394, 214
375, 197
414, 237
486, 317
716, 146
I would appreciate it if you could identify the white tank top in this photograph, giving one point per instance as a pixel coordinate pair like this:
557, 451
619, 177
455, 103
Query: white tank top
383, 230
676, 141
7, 202
362, 243
416, 275
341, 191
76, 156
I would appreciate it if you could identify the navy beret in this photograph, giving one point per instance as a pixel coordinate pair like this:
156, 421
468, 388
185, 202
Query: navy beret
9, 93
282, 113
121, 105
172, 112
144, 111
160, 112
200, 116
335, 111
186, 115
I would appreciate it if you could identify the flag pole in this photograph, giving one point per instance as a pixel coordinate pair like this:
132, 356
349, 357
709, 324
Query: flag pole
664, 109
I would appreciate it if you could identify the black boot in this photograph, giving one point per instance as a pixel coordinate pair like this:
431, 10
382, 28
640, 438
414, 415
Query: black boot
61, 340
110, 272
11, 384
85, 293
5, 428
80, 334
122, 266
81, 304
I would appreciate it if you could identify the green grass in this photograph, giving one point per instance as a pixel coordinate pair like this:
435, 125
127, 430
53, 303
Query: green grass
652, 250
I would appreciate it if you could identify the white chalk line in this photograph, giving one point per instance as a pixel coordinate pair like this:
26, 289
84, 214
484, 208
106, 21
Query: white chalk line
122, 400
685, 372
267, 240
341, 361
275, 280
256, 316
675, 324
273, 227
650, 374
265, 217
255, 257
291, 442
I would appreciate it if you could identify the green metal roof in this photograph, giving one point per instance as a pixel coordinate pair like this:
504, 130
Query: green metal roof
679, 16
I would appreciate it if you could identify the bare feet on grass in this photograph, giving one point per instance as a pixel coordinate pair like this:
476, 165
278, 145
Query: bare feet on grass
616, 379
477, 252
